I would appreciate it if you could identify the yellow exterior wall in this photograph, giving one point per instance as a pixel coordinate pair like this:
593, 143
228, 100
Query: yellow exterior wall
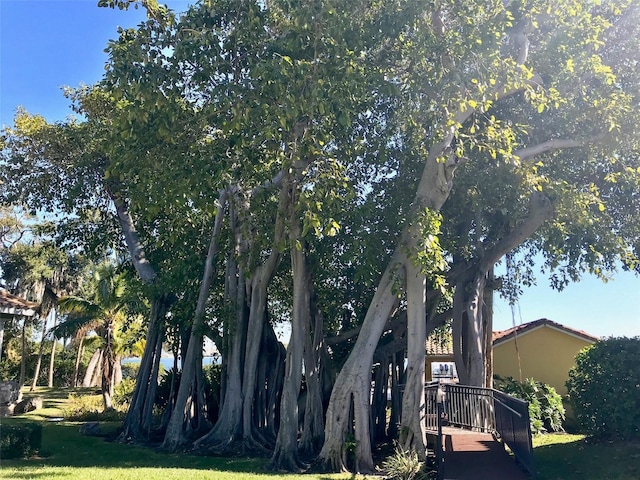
546, 355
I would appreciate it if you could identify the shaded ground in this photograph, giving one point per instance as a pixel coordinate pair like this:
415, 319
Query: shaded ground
574, 457
477, 456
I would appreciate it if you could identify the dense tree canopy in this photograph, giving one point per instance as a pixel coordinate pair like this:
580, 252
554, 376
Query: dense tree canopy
353, 168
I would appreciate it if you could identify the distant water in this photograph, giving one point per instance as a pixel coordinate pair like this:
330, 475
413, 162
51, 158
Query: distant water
167, 362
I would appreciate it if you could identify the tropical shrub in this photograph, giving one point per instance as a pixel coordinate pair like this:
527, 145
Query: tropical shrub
604, 388
90, 408
546, 412
163, 392
403, 465
123, 393
130, 370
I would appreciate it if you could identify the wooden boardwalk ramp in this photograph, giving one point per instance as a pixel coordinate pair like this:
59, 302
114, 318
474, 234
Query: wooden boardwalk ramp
471, 455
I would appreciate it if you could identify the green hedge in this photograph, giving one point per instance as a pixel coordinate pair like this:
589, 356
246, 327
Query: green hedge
20, 440
546, 411
604, 388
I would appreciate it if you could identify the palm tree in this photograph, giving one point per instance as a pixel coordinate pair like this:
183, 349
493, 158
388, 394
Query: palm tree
102, 308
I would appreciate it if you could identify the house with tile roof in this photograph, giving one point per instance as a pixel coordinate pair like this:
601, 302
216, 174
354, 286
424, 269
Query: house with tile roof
12, 307
543, 350
439, 360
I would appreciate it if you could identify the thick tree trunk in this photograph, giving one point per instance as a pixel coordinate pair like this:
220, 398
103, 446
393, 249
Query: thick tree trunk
88, 375
432, 191
313, 426
189, 413
475, 335
469, 335
412, 428
285, 455
1, 335
108, 362
353, 385
257, 319
23, 355
36, 372
145, 271
117, 371
53, 349
97, 371
137, 422
228, 428
488, 327
76, 367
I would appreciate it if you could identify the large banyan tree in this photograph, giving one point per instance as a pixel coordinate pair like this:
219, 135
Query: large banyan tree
352, 169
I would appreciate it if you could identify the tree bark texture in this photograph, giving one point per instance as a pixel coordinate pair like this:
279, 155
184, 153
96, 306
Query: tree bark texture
469, 334
313, 422
53, 349
353, 384
285, 455
88, 375
108, 362
76, 367
137, 422
190, 400
228, 428
23, 356
97, 371
412, 428
1, 335
36, 372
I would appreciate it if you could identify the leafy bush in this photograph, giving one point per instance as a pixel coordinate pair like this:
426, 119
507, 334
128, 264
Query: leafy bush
87, 408
20, 441
9, 370
123, 393
163, 392
604, 388
546, 412
130, 370
403, 465
213, 379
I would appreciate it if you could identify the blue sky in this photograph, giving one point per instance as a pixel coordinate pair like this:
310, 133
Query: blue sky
48, 44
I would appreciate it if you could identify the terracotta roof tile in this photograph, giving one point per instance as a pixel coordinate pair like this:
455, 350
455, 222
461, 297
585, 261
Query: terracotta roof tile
439, 346
503, 335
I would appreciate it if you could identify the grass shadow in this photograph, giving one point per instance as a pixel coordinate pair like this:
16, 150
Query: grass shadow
581, 459
64, 446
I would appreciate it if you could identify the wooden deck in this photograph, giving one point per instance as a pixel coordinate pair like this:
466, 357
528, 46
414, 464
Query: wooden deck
477, 456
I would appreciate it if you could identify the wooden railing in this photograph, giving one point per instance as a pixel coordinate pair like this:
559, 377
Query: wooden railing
483, 410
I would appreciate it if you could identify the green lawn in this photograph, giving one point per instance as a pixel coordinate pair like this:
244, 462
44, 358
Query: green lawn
70, 456
572, 457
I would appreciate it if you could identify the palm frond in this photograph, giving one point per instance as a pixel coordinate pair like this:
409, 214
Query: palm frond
73, 324
80, 305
